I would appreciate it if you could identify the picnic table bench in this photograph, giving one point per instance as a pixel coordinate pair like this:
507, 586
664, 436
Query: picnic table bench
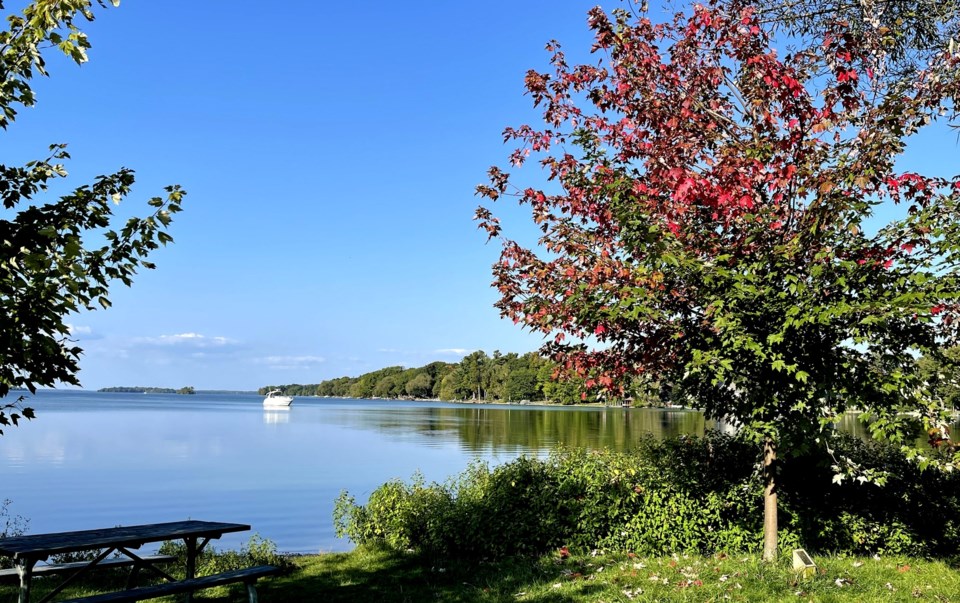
26, 551
59, 568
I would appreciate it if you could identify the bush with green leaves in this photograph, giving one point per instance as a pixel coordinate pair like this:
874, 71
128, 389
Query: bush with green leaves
690, 495
257, 551
12, 525
912, 513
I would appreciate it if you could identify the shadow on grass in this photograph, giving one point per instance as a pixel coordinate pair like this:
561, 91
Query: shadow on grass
381, 575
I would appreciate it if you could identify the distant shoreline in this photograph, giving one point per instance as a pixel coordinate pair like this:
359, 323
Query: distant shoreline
545, 403
166, 390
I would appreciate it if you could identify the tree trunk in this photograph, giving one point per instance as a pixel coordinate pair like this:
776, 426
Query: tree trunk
769, 500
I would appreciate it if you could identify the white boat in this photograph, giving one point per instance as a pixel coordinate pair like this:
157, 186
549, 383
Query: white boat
276, 399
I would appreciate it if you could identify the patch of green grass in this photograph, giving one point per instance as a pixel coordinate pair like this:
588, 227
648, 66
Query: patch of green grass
371, 575
382, 575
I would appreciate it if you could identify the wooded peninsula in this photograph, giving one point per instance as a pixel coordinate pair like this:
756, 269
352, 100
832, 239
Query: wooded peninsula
188, 390
528, 377
498, 377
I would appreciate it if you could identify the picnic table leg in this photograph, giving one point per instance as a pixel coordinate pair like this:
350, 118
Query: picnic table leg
252, 591
25, 571
132, 576
191, 568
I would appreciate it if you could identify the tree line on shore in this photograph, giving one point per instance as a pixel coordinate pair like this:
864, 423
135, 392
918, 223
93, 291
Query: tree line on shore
532, 377
480, 377
187, 390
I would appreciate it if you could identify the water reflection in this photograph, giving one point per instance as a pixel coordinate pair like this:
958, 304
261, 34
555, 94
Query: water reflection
126, 459
276, 416
851, 423
616, 429
510, 430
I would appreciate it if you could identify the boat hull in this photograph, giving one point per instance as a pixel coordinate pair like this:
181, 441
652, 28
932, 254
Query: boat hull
277, 404
274, 400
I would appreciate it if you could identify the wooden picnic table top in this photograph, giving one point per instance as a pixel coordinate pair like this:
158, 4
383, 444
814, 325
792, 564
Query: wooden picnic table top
40, 546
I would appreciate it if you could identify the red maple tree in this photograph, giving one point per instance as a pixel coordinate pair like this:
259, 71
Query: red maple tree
703, 225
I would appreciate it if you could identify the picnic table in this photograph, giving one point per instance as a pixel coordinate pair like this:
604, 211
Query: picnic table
26, 551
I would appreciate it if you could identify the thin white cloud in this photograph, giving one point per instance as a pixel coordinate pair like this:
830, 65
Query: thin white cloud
192, 340
453, 351
291, 362
82, 333
79, 330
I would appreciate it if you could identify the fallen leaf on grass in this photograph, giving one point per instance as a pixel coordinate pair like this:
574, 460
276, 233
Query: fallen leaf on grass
903, 568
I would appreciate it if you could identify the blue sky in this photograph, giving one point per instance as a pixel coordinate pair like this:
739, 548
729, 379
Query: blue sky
330, 152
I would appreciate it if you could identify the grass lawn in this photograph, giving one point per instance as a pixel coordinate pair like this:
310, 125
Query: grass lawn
374, 575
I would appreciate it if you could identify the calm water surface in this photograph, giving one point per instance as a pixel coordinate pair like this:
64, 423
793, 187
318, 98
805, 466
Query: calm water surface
94, 460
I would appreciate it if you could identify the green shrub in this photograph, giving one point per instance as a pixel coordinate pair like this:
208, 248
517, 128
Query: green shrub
914, 513
691, 495
511, 510
650, 503
12, 525
574, 498
257, 551
480, 514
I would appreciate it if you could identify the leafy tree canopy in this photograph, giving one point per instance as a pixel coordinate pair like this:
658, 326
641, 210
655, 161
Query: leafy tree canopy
479, 377
704, 223
942, 373
59, 257
912, 31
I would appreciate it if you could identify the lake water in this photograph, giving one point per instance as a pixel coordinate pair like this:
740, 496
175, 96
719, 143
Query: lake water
94, 460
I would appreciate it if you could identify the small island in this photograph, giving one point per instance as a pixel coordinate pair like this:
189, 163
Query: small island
188, 390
